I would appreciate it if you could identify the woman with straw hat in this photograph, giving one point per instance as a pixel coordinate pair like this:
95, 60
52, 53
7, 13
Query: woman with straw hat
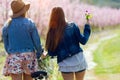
21, 40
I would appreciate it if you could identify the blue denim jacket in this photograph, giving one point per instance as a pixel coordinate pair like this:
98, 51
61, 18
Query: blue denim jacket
21, 36
69, 45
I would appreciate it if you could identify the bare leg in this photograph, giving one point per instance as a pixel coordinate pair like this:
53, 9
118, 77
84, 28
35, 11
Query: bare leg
16, 76
68, 76
27, 77
79, 75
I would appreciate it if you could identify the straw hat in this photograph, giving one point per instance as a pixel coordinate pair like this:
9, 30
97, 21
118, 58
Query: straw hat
18, 8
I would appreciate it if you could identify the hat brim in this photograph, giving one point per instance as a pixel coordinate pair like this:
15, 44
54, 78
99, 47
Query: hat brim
24, 10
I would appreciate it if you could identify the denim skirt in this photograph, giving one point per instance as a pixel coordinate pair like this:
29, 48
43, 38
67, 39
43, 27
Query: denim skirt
74, 63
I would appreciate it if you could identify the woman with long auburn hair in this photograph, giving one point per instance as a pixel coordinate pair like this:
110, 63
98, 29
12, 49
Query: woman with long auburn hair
63, 40
56, 28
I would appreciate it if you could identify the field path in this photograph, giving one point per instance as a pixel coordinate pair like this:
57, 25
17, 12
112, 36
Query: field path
89, 58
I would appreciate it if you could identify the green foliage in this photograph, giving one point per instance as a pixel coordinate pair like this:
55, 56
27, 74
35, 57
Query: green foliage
110, 3
50, 66
88, 16
1, 47
44, 64
107, 56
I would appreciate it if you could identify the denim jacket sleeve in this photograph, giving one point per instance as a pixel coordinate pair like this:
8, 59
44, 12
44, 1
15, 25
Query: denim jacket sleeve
36, 40
5, 36
52, 54
82, 38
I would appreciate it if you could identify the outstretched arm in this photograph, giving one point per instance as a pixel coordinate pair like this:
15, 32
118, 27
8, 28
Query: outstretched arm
82, 38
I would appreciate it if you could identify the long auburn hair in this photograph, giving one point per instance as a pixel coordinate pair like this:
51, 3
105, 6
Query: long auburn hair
57, 25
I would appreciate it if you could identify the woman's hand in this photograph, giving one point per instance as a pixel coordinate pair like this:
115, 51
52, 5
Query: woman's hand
44, 54
88, 16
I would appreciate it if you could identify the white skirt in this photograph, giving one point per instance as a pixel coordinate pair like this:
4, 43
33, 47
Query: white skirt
73, 64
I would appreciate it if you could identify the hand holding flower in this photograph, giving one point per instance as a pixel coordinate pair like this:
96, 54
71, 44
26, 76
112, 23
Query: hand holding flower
88, 16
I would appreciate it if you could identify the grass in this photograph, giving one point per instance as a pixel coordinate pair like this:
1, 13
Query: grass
1, 47
2, 59
107, 55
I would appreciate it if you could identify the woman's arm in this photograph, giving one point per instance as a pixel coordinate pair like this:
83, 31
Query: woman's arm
36, 41
5, 37
82, 38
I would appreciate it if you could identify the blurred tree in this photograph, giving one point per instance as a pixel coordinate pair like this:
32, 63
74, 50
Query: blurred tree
74, 11
110, 3
4, 10
115, 0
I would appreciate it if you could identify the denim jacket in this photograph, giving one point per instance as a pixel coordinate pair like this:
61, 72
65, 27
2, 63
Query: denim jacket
21, 36
69, 45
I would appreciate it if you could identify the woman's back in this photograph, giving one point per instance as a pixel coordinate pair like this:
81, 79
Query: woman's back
20, 34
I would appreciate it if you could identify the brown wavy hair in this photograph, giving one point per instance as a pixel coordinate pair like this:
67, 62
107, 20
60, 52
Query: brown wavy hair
57, 25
